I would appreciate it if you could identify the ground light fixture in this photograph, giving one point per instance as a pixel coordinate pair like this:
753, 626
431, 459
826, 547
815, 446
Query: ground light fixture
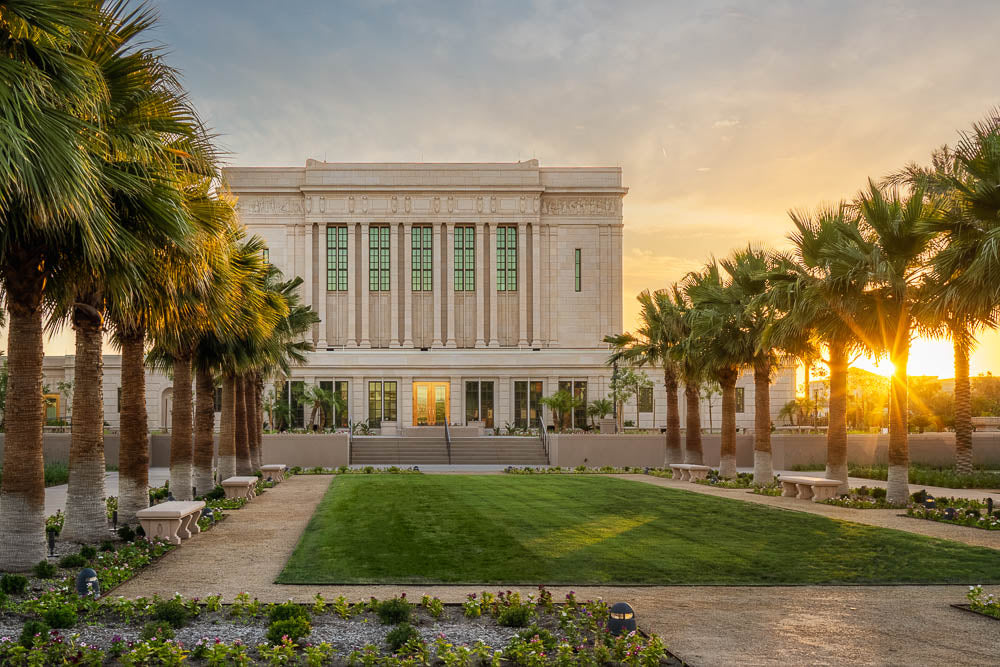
51, 534
621, 619
87, 584
207, 513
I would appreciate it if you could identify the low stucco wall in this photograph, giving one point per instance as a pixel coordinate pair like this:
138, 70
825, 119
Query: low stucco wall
55, 448
307, 450
936, 449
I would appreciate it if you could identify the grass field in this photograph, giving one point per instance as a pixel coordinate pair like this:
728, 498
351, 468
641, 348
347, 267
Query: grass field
583, 529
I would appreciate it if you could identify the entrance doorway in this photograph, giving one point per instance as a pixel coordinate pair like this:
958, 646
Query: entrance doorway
431, 403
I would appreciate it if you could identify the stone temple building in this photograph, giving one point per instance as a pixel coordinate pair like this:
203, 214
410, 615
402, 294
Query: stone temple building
446, 292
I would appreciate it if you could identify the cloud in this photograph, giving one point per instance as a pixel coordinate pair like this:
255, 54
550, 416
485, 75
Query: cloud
726, 123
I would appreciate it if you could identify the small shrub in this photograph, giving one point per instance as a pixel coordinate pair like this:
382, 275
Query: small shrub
286, 611
157, 630
515, 616
60, 615
106, 545
216, 493
399, 635
171, 611
547, 638
88, 551
72, 560
126, 533
30, 629
44, 570
293, 628
13, 584
393, 611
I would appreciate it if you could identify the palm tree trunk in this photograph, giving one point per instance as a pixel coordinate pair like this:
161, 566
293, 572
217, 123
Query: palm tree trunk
22, 492
251, 405
86, 512
727, 454
258, 429
133, 454
243, 465
836, 430
692, 433
181, 446
204, 428
763, 472
675, 453
227, 434
963, 402
899, 450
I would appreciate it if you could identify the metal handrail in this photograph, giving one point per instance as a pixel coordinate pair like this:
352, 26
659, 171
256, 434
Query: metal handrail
543, 435
447, 440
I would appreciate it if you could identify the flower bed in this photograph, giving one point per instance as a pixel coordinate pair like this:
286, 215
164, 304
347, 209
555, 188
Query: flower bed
864, 498
743, 480
981, 603
488, 629
345, 470
958, 511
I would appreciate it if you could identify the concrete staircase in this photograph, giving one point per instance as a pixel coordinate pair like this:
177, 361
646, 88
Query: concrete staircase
498, 450
393, 450
494, 450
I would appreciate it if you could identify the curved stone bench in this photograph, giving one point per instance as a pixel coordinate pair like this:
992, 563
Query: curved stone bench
689, 472
173, 521
809, 488
276, 471
240, 487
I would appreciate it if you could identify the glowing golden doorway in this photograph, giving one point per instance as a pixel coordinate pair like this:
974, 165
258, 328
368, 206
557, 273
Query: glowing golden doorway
431, 403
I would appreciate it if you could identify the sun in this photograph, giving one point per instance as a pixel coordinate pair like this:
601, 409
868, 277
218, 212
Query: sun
927, 357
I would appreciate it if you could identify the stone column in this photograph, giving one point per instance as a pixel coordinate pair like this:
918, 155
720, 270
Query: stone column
553, 285
322, 270
436, 283
482, 284
289, 267
307, 278
536, 285
405, 397
365, 310
394, 285
522, 287
408, 285
449, 281
492, 286
352, 286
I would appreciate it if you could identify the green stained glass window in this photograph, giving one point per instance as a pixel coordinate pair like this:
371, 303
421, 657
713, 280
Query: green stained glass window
506, 259
336, 258
465, 259
421, 260
378, 259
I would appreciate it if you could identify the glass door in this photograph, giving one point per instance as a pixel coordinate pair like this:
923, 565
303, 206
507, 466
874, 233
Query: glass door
431, 403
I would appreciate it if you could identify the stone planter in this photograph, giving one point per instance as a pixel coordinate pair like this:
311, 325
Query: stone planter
607, 425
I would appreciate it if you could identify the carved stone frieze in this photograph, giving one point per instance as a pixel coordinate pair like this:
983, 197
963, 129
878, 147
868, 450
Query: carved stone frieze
270, 205
581, 206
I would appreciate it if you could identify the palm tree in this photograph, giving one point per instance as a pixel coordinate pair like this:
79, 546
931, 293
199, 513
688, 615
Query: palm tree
888, 256
50, 194
817, 300
954, 303
715, 322
660, 331
689, 356
322, 401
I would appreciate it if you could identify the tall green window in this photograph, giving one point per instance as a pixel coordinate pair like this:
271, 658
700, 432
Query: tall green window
421, 260
336, 258
265, 254
578, 270
465, 259
506, 259
378, 259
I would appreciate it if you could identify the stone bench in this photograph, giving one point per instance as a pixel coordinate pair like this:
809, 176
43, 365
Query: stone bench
173, 521
240, 487
276, 471
689, 472
809, 488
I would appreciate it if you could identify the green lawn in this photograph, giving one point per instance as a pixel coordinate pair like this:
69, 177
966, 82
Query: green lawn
582, 529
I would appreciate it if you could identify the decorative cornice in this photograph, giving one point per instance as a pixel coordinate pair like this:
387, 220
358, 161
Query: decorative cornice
582, 206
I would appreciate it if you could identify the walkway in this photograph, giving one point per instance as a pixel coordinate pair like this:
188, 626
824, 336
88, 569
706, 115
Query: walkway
55, 496
705, 625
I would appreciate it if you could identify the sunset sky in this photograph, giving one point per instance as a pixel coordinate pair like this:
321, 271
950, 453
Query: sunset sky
723, 115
